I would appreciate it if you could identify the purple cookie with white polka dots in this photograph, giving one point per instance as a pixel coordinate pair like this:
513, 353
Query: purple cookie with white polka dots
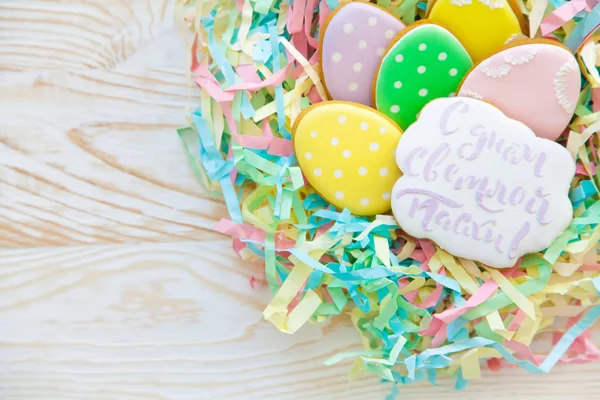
353, 43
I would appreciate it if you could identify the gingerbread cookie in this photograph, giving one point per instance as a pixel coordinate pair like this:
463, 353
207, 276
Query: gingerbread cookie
346, 152
482, 26
354, 40
424, 63
535, 82
481, 185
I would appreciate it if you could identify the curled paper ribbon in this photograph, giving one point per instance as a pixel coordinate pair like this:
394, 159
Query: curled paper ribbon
421, 312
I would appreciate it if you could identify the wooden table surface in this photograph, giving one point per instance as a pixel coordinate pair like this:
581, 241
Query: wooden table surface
113, 282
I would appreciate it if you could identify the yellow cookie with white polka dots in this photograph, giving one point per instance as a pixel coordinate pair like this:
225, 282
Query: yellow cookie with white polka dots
347, 153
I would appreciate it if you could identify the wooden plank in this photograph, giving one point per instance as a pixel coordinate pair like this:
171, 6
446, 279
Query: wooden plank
181, 321
89, 153
64, 35
93, 157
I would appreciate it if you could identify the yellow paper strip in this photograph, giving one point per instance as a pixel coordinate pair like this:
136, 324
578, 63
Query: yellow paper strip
495, 322
577, 140
303, 311
276, 310
470, 365
417, 283
464, 279
470, 267
517, 297
407, 250
271, 108
310, 71
382, 250
527, 331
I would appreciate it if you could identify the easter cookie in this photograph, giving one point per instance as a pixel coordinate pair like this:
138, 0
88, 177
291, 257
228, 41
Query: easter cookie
354, 40
481, 185
482, 26
536, 82
346, 152
424, 63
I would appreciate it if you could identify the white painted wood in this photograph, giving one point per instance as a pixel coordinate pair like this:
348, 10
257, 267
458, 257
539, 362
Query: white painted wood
89, 154
181, 321
113, 283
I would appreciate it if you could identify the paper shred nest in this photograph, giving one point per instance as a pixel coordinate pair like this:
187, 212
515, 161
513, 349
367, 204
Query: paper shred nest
421, 313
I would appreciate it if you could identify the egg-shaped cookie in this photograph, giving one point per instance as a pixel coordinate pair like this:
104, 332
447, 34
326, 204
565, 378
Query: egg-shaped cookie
482, 26
425, 62
346, 152
537, 83
353, 42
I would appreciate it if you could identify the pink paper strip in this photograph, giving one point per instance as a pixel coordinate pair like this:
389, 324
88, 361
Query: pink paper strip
248, 73
522, 350
561, 15
281, 147
276, 79
482, 294
240, 231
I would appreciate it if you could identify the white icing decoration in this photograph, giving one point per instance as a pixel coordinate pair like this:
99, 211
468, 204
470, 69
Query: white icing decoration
494, 71
492, 4
520, 55
511, 38
451, 187
516, 36
460, 3
560, 85
471, 94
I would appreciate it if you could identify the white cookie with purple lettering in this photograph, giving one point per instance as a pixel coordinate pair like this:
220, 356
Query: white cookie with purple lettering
481, 185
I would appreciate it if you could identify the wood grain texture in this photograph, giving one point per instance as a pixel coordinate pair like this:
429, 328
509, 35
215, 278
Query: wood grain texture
180, 321
89, 152
113, 283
